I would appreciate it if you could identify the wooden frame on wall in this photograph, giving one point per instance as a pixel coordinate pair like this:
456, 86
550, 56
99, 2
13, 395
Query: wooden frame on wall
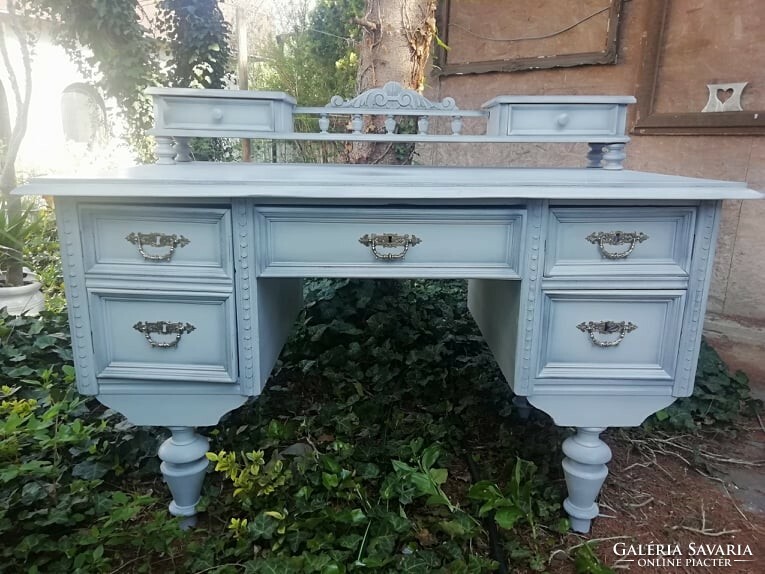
605, 56
649, 122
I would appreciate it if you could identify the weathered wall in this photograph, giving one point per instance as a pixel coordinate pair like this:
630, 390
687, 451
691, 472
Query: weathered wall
738, 290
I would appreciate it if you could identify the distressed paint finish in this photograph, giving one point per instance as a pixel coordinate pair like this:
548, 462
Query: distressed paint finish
662, 290
250, 232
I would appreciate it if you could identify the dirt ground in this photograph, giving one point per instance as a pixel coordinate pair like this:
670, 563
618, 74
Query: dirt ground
654, 496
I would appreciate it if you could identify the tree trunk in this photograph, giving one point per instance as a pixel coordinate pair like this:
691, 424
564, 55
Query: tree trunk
22, 92
395, 47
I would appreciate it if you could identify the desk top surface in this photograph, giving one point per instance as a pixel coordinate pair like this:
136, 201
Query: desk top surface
365, 182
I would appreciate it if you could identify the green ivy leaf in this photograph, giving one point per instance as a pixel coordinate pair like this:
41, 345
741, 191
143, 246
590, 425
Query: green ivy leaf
32, 492
439, 475
423, 483
354, 516
262, 527
90, 470
330, 481
507, 517
430, 456
420, 562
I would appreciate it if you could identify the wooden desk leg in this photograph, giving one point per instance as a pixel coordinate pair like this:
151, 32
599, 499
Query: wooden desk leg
184, 465
585, 470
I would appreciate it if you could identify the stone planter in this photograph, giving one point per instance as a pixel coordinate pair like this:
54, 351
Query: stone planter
26, 298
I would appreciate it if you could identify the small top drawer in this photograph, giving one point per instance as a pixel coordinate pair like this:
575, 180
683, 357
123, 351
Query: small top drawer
204, 112
571, 119
598, 118
384, 242
171, 242
619, 241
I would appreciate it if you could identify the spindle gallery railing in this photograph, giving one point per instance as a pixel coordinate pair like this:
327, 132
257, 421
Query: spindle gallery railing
391, 102
183, 113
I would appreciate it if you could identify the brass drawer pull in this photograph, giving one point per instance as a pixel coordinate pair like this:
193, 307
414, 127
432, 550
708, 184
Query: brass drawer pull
606, 328
602, 238
157, 240
163, 328
389, 241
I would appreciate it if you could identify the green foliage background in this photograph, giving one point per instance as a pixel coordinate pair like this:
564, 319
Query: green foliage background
317, 58
115, 47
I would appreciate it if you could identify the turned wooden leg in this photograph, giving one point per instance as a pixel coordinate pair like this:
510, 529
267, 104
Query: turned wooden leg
184, 465
165, 150
182, 150
585, 470
614, 156
595, 155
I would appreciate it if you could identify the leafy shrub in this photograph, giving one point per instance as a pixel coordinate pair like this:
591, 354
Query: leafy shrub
719, 397
383, 391
57, 452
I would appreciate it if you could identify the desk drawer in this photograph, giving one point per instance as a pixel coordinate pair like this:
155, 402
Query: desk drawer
256, 112
158, 241
620, 241
164, 336
610, 335
564, 119
413, 242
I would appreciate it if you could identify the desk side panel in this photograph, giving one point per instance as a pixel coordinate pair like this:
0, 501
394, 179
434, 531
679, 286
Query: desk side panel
505, 311
494, 305
76, 295
704, 245
279, 301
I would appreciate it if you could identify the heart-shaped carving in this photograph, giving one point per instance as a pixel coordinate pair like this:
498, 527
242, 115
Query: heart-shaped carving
724, 95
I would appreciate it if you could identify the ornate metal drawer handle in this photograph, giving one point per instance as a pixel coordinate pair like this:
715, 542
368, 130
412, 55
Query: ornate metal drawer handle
163, 328
606, 328
389, 241
157, 240
602, 238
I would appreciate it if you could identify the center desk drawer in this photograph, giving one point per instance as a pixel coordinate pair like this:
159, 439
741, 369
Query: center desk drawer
409, 242
164, 241
619, 241
164, 336
610, 334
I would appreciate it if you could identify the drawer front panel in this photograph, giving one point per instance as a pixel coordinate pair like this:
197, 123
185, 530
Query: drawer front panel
564, 119
610, 335
613, 241
389, 243
164, 336
210, 114
158, 241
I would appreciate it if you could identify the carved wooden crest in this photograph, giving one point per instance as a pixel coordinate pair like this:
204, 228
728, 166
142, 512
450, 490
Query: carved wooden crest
392, 96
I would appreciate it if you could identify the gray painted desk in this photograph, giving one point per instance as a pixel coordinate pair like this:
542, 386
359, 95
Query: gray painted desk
183, 278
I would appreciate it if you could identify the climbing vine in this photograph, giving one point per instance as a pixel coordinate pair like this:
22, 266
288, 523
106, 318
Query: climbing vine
109, 42
196, 36
121, 48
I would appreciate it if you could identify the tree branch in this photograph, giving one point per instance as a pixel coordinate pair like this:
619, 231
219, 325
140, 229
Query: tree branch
367, 24
8, 176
